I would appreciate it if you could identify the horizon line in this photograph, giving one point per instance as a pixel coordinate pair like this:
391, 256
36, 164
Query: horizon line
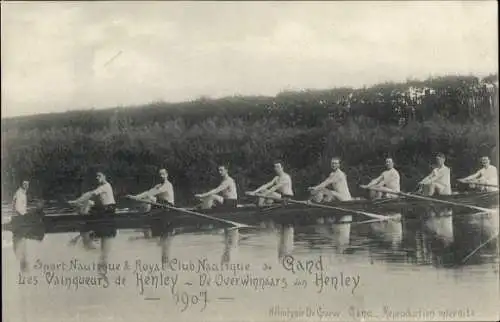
236, 95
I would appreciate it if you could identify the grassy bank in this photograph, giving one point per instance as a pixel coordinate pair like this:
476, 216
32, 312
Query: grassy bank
61, 152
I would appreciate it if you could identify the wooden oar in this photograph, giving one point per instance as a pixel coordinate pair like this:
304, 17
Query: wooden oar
479, 183
190, 212
408, 195
478, 248
318, 205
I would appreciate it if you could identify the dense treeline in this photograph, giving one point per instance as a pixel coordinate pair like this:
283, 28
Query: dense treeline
411, 121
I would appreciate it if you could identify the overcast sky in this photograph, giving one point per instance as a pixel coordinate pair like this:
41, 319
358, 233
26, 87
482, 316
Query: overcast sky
63, 56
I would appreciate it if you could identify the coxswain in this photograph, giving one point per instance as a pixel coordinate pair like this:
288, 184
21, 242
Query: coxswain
337, 180
225, 195
486, 178
279, 187
20, 208
438, 181
389, 179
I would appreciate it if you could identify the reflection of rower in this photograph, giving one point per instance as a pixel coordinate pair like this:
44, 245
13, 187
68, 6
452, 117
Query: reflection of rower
342, 233
390, 231
440, 224
231, 241
336, 232
285, 245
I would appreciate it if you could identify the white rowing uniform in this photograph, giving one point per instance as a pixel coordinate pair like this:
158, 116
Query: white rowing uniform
284, 183
338, 181
20, 202
441, 178
488, 175
105, 194
389, 179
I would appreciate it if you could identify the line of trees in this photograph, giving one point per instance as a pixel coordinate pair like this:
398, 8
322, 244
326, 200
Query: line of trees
61, 152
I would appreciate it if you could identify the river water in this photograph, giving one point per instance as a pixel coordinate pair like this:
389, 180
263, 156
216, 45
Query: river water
400, 270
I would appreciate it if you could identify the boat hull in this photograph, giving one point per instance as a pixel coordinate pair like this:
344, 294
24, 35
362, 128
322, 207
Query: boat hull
292, 214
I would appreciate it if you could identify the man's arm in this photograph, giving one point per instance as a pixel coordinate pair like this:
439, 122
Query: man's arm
87, 195
151, 192
375, 181
220, 188
476, 175
326, 182
429, 178
266, 186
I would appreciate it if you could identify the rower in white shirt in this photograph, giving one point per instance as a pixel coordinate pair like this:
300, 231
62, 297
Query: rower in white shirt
486, 178
389, 179
105, 208
20, 202
338, 183
438, 181
225, 195
161, 193
20, 208
279, 187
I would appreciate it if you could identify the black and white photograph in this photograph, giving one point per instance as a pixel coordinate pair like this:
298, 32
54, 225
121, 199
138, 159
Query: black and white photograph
249, 161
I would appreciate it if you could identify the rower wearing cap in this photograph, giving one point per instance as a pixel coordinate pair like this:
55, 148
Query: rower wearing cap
279, 187
337, 180
225, 195
389, 179
486, 178
438, 181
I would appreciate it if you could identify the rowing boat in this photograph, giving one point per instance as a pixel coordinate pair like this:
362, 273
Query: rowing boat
296, 214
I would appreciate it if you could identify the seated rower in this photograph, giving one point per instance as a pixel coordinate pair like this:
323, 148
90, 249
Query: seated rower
105, 207
160, 193
486, 178
228, 197
438, 181
338, 182
389, 179
279, 187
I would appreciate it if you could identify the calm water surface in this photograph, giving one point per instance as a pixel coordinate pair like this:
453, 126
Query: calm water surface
409, 269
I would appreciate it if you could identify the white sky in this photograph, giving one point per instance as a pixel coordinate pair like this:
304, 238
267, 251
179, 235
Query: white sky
56, 56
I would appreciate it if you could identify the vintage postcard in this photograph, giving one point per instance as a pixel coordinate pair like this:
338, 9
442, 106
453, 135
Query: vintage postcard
250, 161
